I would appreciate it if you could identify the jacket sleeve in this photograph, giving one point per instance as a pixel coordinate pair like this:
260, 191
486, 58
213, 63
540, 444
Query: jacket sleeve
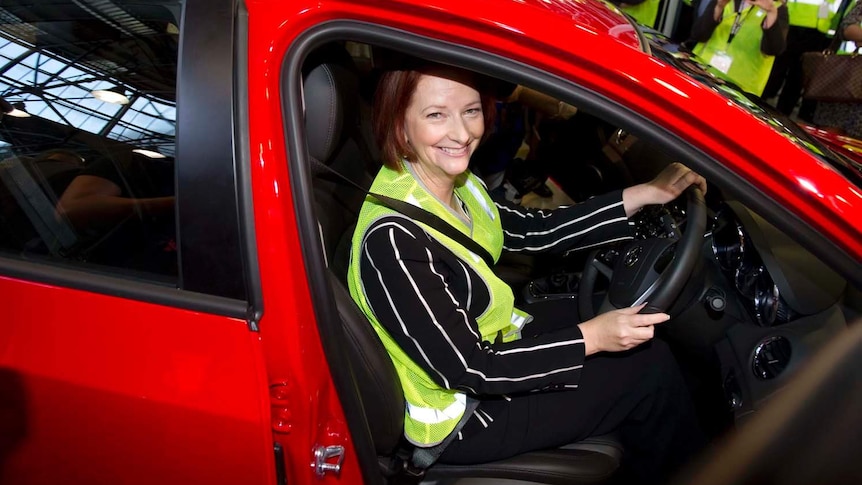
774, 39
854, 16
594, 222
411, 293
705, 24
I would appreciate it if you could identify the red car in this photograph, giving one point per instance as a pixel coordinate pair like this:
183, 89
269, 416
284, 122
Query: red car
170, 260
848, 146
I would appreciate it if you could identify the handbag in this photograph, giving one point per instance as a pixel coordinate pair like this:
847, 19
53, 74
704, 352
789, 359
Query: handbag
832, 77
827, 76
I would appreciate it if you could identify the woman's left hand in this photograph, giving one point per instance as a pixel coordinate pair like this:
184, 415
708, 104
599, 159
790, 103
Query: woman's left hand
765, 5
667, 186
771, 9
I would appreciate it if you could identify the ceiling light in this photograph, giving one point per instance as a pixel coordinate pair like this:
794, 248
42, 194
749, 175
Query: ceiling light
115, 95
148, 152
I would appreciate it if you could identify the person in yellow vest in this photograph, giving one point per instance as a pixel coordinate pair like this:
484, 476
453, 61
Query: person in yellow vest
845, 118
645, 12
741, 38
810, 30
450, 325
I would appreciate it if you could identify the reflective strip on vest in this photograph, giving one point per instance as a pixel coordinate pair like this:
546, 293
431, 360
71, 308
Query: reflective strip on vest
813, 14
519, 319
477, 193
435, 416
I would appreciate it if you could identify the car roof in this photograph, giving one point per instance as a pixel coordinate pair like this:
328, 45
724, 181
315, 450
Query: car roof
598, 17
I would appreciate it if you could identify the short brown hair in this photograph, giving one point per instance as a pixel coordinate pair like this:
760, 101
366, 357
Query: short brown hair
393, 95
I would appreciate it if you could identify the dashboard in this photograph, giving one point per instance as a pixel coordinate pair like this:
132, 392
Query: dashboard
759, 303
788, 303
776, 279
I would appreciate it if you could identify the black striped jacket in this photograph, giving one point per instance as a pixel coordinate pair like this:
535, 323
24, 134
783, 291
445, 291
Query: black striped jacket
428, 299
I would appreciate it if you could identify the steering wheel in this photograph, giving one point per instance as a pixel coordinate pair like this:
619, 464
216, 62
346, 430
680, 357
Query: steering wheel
652, 270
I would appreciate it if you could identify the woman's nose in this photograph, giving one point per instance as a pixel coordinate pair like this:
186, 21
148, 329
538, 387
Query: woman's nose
458, 130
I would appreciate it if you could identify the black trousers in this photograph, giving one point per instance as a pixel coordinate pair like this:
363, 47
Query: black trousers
640, 394
785, 79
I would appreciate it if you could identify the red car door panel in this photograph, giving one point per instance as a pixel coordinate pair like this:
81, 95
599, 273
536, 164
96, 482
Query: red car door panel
130, 392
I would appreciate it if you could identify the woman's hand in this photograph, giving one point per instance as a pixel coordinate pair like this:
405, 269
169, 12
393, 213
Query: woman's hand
768, 6
667, 186
619, 330
719, 9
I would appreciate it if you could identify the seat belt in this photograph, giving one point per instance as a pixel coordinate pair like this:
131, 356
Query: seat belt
413, 212
422, 457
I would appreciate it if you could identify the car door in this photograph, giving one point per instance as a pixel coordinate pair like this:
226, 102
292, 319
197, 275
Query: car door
128, 353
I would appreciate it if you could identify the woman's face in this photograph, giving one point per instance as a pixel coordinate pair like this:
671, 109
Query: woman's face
444, 124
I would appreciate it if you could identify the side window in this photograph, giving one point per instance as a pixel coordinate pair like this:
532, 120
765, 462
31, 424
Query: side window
87, 135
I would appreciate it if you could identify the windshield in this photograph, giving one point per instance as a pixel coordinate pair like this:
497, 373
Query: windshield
663, 48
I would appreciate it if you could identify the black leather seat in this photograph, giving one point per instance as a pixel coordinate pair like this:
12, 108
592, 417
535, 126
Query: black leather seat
329, 108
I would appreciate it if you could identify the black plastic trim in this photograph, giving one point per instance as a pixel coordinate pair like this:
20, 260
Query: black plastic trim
280, 472
242, 155
211, 257
144, 291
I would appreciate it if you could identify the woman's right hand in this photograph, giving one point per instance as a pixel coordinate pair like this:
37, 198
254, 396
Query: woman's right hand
719, 9
619, 330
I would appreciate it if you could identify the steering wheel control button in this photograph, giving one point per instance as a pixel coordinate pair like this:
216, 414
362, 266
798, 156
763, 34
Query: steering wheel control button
771, 357
632, 256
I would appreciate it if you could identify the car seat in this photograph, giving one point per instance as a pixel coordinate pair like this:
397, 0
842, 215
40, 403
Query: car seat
332, 142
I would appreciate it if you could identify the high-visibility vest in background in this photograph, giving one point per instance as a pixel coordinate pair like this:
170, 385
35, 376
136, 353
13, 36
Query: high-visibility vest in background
739, 57
433, 411
813, 14
645, 12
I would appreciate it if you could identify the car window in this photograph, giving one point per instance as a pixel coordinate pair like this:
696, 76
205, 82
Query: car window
87, 135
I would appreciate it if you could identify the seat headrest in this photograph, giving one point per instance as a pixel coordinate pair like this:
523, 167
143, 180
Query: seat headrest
330, 92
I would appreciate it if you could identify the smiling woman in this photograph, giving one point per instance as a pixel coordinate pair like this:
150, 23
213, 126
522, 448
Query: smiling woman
441, 126
483, 379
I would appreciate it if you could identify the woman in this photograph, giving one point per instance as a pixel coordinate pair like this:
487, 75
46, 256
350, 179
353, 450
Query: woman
846, 118
741, 39
449, 324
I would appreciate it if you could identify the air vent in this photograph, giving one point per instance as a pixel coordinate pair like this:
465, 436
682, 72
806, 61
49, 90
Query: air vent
771, 357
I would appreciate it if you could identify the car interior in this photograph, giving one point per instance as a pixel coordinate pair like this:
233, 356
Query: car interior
749, 304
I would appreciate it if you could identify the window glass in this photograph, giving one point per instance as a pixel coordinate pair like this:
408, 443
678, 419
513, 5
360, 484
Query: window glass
87, 134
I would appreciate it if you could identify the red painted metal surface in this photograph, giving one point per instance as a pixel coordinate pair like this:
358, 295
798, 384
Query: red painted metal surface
196, 398
572, 39
583, 41
848, 146
109, 390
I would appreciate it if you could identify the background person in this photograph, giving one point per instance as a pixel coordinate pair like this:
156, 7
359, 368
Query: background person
810, 21
130, 212
845, 118
450, 325
645, 12
741, 39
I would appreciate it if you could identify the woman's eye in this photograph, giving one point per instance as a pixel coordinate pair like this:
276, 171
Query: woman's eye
434, 116
473, 111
